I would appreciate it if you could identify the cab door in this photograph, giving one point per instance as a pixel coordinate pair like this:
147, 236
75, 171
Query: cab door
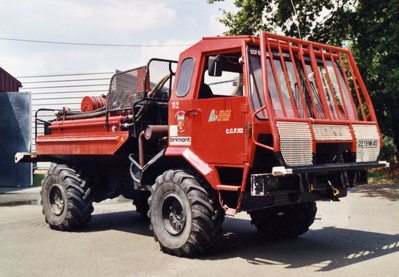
218, 116
219, 131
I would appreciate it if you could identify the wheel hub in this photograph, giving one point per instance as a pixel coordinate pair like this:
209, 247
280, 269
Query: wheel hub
56, 200
174, 216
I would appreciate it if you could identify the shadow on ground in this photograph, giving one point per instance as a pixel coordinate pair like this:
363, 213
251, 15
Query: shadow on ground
324, 249
127, 221
382, 188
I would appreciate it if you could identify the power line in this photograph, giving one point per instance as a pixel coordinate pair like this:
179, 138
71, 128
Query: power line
66, 81
76, 86
71, 91
90, 44
63, 75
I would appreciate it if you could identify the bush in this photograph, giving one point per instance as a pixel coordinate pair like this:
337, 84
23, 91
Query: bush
388, 149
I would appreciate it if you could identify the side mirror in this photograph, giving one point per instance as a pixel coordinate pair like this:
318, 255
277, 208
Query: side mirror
215, 66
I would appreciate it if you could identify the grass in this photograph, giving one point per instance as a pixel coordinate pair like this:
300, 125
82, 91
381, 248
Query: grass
38, 175
37, 178
391, 172
375, 175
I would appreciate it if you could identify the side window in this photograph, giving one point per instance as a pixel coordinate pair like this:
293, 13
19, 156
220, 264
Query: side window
185, 74
255, 81
229, 84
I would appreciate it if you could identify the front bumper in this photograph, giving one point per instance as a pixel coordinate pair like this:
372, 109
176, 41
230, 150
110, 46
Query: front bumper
282, 170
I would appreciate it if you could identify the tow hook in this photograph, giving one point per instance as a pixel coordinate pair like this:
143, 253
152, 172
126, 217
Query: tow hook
334, 190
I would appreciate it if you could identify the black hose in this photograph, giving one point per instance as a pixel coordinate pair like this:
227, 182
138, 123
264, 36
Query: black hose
61, 113
85, 115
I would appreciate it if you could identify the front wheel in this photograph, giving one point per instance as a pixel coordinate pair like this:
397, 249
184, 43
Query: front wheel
66, 199
185, 217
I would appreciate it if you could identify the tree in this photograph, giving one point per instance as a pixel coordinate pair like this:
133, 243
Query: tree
368, 27
376, 51
326, 21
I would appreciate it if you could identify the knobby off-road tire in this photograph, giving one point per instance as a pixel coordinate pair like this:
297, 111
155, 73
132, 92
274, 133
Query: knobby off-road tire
141, 203
284, 222
66, 199
186, 218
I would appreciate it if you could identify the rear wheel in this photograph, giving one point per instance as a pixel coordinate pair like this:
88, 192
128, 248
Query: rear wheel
66, 199
284, 221
185, 217
141, 203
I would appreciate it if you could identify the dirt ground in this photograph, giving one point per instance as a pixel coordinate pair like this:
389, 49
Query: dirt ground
383, 183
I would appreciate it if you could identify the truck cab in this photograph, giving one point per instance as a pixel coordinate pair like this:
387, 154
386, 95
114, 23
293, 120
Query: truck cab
263, 116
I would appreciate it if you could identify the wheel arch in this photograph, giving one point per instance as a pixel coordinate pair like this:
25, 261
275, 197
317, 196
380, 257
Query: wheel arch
196, 163
150, 173
182, 158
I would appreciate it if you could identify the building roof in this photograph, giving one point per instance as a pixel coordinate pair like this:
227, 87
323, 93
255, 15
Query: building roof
8, 83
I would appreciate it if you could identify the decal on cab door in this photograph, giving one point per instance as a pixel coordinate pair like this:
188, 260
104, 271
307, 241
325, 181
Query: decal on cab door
219, 115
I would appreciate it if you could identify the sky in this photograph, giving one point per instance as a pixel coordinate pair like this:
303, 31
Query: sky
146, 23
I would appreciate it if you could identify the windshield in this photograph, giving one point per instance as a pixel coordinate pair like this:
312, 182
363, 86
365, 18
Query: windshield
292, 88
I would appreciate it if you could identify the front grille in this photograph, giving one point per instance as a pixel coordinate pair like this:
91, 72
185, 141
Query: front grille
296, 144
325, 132
367, 143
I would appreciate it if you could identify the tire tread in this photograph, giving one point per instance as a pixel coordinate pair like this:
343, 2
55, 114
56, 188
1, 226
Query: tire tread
207, 214
79, 199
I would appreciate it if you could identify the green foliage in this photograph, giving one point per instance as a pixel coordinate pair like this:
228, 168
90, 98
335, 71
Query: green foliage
388, 149
37, 179
326, 21
376, 51
248, 20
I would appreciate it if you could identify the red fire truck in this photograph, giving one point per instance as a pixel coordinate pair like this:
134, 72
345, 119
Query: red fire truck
268, 125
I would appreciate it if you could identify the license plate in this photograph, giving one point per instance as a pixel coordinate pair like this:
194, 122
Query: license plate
367, 143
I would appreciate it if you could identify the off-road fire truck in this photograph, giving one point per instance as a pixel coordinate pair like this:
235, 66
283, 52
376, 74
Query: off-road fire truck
267, 125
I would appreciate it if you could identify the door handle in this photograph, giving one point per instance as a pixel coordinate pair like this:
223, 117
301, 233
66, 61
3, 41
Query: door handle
194, 112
